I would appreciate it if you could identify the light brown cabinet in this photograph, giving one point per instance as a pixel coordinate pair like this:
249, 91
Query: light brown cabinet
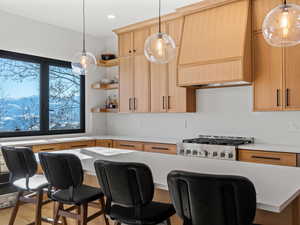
161, 148
268, 91
134, 72
77, 144
104, 143
292, 78
46, 148
166, 95
264, 157
276, 76
130, 145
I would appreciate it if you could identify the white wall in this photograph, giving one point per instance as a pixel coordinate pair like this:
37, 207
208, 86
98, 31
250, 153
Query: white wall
220, 111
23, 35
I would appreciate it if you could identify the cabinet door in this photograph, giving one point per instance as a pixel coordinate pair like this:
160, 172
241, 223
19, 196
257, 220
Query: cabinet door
126, 84
141, 84
125, 44
139, 38
267, 76
260, 10
104, 143
159, 84
292, 78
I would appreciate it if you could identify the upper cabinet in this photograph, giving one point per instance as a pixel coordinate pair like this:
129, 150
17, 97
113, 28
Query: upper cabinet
216, 45
150, 87
134, 72
268, 90
276, 70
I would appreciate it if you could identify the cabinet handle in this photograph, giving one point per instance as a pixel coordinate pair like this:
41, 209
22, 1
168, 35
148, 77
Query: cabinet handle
160, 148
287, 97
168, 103
47, 149
129, 51
129, 104
164, 106
277, 97
134, 103
266, 157
134, 50
125, 145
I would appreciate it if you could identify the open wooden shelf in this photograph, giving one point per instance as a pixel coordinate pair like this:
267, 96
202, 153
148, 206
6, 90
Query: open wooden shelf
100, 110
105, 86
108, 63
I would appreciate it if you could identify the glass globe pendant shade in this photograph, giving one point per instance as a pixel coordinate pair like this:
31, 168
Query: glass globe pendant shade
83, 62
160, 48
281, 27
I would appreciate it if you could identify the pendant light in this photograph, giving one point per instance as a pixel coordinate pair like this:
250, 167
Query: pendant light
82, 60
160, 48
281, 27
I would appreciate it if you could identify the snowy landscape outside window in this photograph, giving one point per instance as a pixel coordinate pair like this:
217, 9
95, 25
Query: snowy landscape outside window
39, 96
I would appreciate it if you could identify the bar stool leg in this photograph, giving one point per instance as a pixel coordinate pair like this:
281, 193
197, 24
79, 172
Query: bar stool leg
102, 208
38, 207
15, 209
83, 214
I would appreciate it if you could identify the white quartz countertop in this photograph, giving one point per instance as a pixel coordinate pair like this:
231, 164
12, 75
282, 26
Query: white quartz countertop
39, 141
85, 138
276, 186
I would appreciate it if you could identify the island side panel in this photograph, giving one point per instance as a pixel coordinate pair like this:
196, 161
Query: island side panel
289, 216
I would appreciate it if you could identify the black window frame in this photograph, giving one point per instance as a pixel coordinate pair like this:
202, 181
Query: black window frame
44, 95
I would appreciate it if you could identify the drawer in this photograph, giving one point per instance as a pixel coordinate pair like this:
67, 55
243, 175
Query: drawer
78, 144
48, 147
104, 143
131, 145
160, 148
275, 158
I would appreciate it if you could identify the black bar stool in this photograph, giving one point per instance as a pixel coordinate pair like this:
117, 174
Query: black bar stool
202, 199
129, 191
65, 176
22, 166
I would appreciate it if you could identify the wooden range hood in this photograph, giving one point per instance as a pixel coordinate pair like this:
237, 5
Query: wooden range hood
216, 44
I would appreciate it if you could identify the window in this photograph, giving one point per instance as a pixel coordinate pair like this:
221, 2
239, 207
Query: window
39, 96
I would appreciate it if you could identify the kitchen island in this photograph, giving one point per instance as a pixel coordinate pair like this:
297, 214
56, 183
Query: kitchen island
277, 187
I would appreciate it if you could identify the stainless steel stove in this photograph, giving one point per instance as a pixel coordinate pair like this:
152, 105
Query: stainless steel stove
215, 147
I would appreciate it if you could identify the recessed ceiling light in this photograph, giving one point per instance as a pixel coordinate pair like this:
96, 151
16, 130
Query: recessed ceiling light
111, 16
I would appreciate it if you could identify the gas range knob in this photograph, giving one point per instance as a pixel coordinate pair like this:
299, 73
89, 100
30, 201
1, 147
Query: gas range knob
195, 152
205, 153
230, 155
188, 152
222, 154
215, 154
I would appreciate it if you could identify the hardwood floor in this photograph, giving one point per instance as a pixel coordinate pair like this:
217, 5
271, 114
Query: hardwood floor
26, 215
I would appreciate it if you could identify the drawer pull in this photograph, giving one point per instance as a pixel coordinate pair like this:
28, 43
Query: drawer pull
47, 149
78, 146
160, 148
266, 157
124, 145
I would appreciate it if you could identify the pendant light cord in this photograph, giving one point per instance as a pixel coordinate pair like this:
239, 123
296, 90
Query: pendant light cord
159, 16
83, 20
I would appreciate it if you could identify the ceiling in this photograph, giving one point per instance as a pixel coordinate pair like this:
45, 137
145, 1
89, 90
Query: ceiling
68, 13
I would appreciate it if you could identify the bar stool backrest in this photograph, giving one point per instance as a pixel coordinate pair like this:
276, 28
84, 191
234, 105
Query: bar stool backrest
127, 184
212, 199
20, 162
63, 171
